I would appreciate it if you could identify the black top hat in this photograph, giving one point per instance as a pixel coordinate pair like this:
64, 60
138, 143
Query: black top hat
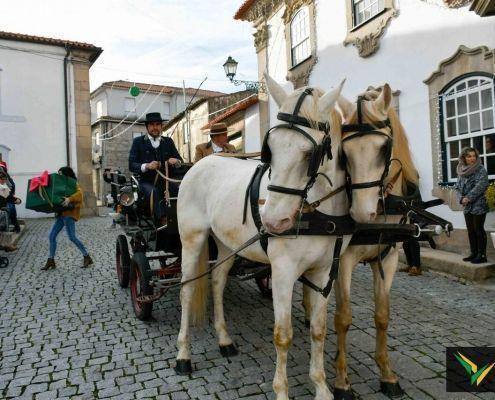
153, 117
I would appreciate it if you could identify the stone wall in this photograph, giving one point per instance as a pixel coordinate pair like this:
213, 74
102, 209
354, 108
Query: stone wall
83, 136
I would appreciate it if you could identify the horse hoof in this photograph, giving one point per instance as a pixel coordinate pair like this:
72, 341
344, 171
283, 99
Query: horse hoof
391, 389
228, 351
183, 367
307, 323
342, 394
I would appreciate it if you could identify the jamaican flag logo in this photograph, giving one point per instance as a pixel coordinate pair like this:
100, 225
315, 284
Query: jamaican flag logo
470, 369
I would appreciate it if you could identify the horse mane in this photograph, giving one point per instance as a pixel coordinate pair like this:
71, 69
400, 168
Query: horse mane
400, 148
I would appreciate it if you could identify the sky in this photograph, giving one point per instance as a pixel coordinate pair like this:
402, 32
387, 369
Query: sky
151, 41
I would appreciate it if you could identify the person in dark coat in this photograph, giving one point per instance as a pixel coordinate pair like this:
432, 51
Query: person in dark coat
13, 201
150, 153
472, 182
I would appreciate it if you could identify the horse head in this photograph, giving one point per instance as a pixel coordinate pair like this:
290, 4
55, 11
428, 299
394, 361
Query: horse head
366, 149
296, 150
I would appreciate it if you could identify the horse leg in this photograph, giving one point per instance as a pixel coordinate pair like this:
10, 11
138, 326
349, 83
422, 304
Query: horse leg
389, 384
319, 314
192, 295
219, 279
342, 322
283, 278
307, 305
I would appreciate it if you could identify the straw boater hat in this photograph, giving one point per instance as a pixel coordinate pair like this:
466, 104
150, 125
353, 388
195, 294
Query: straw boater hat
217, 129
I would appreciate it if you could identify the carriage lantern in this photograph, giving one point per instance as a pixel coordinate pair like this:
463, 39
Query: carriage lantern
127, 197
230, 67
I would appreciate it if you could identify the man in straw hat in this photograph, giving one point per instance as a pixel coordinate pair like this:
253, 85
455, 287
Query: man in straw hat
150, 153
219, 142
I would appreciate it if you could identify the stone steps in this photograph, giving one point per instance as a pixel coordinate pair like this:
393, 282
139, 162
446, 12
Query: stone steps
452, 264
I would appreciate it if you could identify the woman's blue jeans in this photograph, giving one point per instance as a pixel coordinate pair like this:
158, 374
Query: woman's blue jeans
70, 226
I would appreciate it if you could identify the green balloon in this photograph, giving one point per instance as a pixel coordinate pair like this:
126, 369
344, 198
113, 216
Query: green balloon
134, 91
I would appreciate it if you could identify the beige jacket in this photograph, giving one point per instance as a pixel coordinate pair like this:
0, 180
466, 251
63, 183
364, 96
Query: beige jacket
206, 149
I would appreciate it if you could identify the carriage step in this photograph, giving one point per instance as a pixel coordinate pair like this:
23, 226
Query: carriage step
150, 298
164, 283
156, 254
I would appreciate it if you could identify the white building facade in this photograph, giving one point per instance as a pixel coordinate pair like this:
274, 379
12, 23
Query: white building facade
44, 109
438, 57
116, 119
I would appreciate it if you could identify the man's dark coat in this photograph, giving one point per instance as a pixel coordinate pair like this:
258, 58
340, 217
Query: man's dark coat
142, 152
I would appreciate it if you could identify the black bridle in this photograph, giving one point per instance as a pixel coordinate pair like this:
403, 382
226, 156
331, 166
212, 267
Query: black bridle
363, 129
293, 122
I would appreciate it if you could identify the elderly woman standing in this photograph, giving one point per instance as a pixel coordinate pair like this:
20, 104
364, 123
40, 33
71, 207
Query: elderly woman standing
472, 182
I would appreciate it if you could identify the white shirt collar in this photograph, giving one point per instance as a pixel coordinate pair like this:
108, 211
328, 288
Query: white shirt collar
154, 142
216, 149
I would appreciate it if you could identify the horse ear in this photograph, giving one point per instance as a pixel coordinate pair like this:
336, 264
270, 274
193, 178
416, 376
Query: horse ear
346, 106
278, 93
385, 99
327, 101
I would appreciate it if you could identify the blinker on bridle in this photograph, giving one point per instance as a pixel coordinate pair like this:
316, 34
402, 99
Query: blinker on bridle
363, 129
294, 121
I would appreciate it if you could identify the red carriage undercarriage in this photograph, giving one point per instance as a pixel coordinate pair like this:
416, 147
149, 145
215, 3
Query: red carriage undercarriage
150, 262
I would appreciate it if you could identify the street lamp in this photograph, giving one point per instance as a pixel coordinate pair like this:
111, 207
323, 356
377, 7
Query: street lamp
230, 67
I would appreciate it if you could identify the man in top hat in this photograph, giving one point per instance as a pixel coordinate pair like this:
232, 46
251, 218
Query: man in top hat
219, 142
150, 153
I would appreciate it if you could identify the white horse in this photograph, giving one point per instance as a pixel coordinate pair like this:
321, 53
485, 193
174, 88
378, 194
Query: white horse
211, 201
370, 151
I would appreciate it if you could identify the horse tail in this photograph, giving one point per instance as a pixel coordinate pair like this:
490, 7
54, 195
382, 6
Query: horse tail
200, 296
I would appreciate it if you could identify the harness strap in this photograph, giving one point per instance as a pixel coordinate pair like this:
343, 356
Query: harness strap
315, 204
281, 189
366, 127
297, 120
254, 195
334, 271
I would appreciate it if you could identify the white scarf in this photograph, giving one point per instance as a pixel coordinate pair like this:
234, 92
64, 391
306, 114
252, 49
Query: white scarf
4, 190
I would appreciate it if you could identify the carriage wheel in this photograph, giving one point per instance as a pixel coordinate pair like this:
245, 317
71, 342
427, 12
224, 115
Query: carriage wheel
122, 261
139, 283
265, 286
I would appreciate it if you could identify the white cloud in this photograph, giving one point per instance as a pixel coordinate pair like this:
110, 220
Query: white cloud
145, 40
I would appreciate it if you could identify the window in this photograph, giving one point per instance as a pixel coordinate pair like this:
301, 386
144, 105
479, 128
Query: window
468, 114
166, 108
364, 10
300, 37
99, 109
130, 105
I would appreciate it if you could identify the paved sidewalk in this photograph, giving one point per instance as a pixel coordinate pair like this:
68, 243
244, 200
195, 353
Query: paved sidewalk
71, 333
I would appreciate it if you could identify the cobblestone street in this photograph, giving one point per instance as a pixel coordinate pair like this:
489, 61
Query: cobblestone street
71, 332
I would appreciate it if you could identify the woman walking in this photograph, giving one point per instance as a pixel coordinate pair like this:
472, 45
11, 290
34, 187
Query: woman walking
472, 182
68, 219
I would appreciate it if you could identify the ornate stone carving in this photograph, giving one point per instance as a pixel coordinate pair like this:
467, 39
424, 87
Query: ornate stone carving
291, 6
484, 51
261, 37
456, 3
367, 37
299, 76
262, 10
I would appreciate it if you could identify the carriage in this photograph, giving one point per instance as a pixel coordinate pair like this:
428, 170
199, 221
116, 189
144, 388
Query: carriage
150, 261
